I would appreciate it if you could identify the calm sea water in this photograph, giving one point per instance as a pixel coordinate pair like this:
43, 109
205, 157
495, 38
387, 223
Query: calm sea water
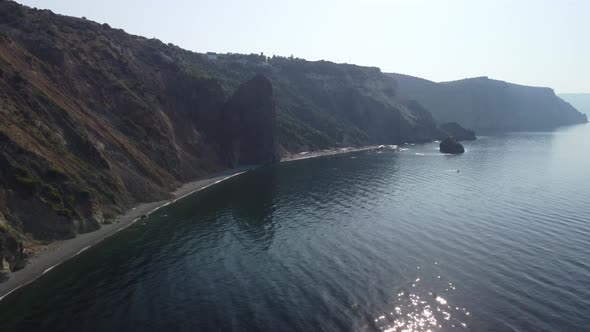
497, 239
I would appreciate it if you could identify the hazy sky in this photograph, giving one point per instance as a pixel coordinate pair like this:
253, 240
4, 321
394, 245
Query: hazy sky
534, 42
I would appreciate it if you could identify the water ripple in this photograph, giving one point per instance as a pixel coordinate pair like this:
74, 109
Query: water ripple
497, 239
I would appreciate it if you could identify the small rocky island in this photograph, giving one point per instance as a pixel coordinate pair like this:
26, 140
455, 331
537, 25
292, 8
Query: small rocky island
451, 145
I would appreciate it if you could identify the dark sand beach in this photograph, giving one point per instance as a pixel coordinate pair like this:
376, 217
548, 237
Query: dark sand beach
61, 251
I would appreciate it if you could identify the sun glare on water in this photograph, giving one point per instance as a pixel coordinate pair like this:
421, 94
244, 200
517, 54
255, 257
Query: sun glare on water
418, 309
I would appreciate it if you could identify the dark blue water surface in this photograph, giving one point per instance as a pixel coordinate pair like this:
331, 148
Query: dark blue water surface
497, 239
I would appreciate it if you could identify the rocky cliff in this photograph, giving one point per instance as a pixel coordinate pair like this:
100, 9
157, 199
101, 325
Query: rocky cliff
94, 120
487, 105
322, 104
250, 109
580, 101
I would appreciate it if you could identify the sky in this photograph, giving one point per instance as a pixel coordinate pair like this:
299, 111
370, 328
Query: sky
532, 42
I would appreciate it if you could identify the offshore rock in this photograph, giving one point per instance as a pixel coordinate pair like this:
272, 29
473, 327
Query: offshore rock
249, 125
450, 145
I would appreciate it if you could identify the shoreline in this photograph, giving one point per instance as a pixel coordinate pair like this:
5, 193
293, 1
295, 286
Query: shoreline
61, 251
336, 151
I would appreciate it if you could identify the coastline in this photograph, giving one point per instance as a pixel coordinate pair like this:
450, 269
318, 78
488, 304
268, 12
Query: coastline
61, 251
330, 152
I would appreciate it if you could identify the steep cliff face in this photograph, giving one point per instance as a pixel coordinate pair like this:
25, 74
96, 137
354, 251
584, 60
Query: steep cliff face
322, 104
93, 120
250, 109
487, 105
581, 101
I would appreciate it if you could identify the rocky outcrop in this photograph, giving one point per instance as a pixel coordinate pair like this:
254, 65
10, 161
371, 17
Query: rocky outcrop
487, 105
455, 130
12, 256
451, 145
321, 105
248, 124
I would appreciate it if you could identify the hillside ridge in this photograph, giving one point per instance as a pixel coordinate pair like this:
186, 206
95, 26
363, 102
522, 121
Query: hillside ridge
489, 105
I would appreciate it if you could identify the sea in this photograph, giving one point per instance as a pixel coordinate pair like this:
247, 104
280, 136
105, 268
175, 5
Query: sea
495, 239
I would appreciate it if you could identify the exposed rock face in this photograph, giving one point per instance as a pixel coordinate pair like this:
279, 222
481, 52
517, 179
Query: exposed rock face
487, 105
321, 105
455, 130
249, 125
12, 255
450, 145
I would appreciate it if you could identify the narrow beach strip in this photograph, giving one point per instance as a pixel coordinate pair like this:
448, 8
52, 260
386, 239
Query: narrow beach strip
61, 251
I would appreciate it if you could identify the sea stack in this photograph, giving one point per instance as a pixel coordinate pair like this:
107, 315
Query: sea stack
451, 145
249, 124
